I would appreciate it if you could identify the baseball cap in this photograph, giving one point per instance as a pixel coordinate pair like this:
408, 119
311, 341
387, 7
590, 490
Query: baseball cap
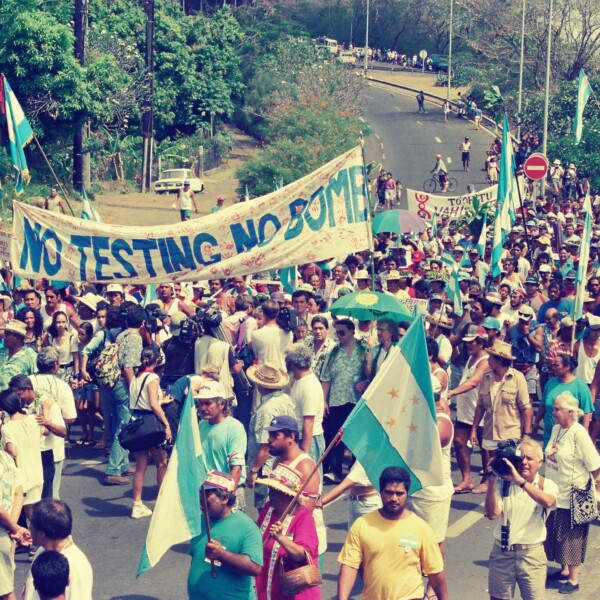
526, 313
566, 322
532, 280
362, 274
447, 239
474, 331
186, 182
114, 287
491, 323
494, 298
208, 388
544, 239
593, 322
545, 269
283, 422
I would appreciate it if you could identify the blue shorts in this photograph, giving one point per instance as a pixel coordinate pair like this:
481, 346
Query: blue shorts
185, 214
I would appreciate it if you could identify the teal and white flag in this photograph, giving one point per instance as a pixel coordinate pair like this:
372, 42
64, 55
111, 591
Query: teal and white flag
394, 423
246, 194
584, 259
448, 260
150, 296
88, 212
506, 204
434, 227
177, 517
289, 279
453, 291
19, 135
480, 245
584, 91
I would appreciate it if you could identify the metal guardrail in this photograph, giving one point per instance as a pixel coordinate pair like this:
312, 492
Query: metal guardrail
439, 100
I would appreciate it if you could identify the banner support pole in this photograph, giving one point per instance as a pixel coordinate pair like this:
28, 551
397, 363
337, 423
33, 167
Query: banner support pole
62, 189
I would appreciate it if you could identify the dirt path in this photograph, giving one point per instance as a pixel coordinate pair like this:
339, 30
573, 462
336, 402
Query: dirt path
155, 209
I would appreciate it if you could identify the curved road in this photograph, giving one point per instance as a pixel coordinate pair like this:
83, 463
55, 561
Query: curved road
406, 142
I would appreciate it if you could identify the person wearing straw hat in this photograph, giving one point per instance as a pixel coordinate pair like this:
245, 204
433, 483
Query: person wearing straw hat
233, 545
503, 402
440, 327
269, 380
15, 357
6, 313
290, 540
86, 308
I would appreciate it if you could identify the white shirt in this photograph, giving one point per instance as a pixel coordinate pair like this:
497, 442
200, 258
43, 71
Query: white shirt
60, 391
527, 517
270, 343
560, 466
307, 395
80, 573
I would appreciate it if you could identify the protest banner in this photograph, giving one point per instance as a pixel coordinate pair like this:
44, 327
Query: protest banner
424, 204
4, 245
314, 218
418, 303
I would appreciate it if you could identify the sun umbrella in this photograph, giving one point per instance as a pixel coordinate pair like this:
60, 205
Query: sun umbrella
398, 221
370, 306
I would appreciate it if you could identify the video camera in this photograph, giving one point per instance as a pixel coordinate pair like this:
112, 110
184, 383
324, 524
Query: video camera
154, 314
287, 319
509, 450
192, 328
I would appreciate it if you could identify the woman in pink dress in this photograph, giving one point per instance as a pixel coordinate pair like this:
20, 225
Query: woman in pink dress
286, 541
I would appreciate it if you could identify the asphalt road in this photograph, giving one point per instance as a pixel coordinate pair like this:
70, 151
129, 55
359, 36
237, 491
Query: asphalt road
406, 144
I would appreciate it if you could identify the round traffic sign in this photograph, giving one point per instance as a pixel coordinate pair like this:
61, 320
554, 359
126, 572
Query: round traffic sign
423, 54
536, 166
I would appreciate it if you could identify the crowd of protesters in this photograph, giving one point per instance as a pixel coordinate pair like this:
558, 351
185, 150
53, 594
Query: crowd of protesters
274, 375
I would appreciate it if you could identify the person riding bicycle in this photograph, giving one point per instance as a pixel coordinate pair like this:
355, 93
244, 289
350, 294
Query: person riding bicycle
441, 171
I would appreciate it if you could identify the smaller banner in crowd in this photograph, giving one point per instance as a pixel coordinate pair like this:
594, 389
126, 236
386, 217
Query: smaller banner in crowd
425, 205
320, 215
412, 303
4, 245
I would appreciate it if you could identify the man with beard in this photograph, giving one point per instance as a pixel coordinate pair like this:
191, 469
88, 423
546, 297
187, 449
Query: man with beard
393, 547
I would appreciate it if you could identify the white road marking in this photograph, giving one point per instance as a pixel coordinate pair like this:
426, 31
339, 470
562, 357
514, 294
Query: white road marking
419, 122
90, 463
437, 139
383, 157
464, 523
397, 108
449, 160
381, 144
377, 135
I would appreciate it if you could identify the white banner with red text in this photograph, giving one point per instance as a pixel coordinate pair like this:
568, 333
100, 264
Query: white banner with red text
424, 204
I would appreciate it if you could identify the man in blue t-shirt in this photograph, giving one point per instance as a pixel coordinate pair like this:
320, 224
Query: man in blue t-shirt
234, 550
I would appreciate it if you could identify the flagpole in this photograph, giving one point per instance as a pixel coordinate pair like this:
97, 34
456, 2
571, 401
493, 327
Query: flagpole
213, 569
62, 189
369, 217
521, 203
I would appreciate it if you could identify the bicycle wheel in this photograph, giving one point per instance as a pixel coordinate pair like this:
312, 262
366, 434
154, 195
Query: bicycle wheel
430, 185
452, 184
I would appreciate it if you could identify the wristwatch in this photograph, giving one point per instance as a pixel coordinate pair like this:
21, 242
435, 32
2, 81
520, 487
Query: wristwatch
253, 472
522, 485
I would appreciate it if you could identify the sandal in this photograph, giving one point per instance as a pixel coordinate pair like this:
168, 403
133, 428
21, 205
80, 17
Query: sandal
89, 442
463, 489
81, 442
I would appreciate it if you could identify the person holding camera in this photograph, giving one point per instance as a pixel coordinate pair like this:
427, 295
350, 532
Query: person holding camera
522, 497
503, 403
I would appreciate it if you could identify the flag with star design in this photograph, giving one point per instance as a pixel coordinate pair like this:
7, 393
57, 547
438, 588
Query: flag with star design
394, 423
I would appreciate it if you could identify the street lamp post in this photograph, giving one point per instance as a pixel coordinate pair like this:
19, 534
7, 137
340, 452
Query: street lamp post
450, 50
367, 42
547, 90
520, 101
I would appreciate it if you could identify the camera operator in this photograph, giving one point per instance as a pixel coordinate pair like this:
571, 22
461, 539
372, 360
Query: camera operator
179, 354
209, 350
522, 497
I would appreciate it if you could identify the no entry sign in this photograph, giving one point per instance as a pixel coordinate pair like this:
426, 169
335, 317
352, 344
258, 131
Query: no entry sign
536, 166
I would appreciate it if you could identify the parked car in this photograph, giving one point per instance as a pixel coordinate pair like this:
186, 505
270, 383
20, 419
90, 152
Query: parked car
347, 56
172, 181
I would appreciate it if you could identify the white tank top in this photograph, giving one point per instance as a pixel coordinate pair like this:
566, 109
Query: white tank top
467, 401
444, 491
586, 366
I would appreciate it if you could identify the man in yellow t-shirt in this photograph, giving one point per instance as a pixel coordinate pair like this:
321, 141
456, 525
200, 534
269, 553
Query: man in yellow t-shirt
394, 548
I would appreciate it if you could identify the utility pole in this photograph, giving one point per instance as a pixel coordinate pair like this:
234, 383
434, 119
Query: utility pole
520, 103
80, 19
367, 42
148, 114
547, 87
450, 33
